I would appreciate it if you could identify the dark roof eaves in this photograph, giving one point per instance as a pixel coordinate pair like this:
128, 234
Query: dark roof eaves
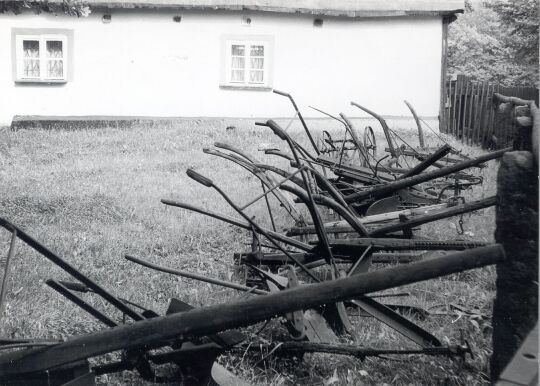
303, 11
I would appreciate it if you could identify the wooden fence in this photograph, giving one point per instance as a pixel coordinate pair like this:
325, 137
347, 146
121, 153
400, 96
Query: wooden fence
470, 116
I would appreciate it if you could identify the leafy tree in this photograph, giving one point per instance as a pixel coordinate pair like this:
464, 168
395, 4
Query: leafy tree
496, 41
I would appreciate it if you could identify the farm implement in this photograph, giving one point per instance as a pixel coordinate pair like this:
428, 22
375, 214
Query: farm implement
192, 339
316, 275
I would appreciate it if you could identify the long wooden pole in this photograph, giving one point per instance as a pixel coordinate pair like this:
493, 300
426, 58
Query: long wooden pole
7, 271
213, 319
414, 180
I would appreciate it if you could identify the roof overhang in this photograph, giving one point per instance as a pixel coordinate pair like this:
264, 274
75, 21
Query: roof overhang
335, 8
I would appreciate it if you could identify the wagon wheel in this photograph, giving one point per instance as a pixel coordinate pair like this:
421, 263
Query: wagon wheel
370, 143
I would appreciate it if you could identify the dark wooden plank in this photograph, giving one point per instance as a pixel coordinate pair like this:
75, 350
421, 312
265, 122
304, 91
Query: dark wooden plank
472, 99
479, 121
454, 108
217, 318
449, 109
427, 176
463, 113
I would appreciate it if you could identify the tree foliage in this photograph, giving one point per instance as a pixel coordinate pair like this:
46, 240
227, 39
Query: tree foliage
496, 41
68, 7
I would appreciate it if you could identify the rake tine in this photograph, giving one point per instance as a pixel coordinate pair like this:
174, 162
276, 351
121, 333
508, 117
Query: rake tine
57, 260
208, 183
195, 276
230, 220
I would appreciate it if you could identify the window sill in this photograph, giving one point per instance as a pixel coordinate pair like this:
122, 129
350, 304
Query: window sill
245, 87
41, 81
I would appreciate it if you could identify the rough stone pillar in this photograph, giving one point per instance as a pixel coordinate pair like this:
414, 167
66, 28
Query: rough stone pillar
515, 309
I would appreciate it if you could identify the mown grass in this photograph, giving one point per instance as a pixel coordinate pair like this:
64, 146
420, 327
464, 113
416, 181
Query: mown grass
94, 195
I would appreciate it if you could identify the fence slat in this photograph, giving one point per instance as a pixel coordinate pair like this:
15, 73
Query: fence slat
477, 114
454, 107
469, 115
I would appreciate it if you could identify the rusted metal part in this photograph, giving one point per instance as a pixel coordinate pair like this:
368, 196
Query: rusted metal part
287, 95
370, 221
347, 250
210, 320
349, 217
57, 286
421, 155
324, 184
450, 212
370, 143
311, 261
426, 163
279, 153
361, 265
355, 246
245, 225
385, 127
296, 318
365, 174
362, 148
414, 180
317, 221
363, 352
57, 260
194, 276
271, 188
379, 311
266, 179
418, 125
397, 322
208, 183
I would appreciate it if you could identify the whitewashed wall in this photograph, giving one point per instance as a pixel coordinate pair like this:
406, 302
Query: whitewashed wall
144, 64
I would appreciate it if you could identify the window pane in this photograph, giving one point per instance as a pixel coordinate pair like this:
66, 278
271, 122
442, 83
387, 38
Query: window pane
31, 48
237, 50
237, 76
257, 63
257, 51
55, 68
31, 68
238, 63
256, 76
54, 49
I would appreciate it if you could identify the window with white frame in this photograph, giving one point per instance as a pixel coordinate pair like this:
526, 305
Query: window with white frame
41, 57
247, 63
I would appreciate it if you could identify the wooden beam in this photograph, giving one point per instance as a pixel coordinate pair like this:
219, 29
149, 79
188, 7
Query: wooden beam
213, 319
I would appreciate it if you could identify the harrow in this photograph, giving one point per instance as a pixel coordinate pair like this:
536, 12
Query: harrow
305, 275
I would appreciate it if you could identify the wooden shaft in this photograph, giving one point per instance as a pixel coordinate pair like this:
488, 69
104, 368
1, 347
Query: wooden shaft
450, 212
7, 271
195, 276
271, 189
70, 269
418, 125
213, 319
414, 180
238, 223
427, 162
385, 127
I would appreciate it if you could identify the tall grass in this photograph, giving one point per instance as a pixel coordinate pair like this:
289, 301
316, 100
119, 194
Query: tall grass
94, 195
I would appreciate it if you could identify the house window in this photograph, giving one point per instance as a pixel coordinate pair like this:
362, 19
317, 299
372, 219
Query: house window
41, 58
247, 64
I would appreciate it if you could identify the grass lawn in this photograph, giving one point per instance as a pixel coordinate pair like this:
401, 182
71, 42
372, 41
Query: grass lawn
94, 195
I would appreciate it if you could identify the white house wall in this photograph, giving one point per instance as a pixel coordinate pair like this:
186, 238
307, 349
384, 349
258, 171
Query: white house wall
144, 64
